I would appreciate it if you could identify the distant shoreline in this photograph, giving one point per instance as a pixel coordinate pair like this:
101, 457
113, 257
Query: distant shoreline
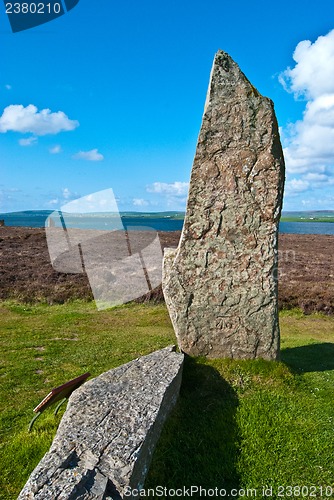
311, 219
291, 222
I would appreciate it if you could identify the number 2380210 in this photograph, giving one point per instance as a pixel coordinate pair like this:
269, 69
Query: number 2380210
33, 8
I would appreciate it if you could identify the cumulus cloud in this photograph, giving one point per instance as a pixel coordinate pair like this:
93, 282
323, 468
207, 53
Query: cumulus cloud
174, 188
18, 118
92, 155
55, 149
312, 75
29, 141
140, 202
309, 142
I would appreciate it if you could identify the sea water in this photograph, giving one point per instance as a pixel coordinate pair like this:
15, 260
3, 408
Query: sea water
159, 222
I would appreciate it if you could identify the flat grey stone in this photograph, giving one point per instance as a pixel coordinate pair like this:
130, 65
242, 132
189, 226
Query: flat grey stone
220, 284
108, 433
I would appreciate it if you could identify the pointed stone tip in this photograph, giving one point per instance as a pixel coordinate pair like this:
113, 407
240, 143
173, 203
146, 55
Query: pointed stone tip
227, 79
223, 59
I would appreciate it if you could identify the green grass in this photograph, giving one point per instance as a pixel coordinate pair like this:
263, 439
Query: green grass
43, 347
237, 424
307, 219
308, 216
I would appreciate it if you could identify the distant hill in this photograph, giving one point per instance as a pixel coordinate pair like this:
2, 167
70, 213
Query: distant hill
37, 218
308, 216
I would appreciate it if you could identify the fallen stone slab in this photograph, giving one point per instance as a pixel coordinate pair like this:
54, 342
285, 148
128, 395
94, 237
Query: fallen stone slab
106, 438
220, 285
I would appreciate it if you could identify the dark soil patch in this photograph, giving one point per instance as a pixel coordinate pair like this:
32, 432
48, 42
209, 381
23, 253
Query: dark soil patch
306, 271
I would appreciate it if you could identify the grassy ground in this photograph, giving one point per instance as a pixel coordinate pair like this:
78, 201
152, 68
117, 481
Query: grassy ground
238, 424
307, 219
247, 424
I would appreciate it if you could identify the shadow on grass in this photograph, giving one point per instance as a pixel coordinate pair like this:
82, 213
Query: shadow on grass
199, 443
310, 358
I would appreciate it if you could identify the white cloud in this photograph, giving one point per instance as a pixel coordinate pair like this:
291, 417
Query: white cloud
140, 202
172, 194
312, 75
66, 194
29, 141
55, 149
295, 186
18, 118
174, 188
92, 155
309, 142
319, 180
54, 202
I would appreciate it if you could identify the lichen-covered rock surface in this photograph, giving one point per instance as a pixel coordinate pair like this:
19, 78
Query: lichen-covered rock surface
220, 284
106, 438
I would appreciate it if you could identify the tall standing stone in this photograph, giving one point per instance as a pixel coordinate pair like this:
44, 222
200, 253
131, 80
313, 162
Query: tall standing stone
220, 284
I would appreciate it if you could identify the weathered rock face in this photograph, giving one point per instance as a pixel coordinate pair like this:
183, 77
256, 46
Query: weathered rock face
108, 433
220, 284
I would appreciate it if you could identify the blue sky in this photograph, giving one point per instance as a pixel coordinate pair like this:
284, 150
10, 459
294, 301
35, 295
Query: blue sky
125, 85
